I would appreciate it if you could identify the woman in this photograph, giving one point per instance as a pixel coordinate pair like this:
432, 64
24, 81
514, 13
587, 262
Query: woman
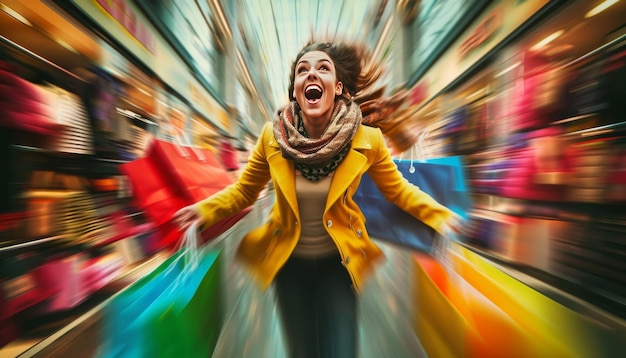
314, 246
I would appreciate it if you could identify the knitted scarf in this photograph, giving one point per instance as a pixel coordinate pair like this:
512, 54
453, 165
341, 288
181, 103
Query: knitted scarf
315, 158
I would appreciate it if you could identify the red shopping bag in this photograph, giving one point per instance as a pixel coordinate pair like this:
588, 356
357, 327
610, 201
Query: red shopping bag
192, 173
228, 156
171, 177
152, 195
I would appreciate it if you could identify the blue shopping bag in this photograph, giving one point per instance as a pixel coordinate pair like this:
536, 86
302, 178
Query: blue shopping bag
187, 318
175, 311
441, 178
458, 199
120, 338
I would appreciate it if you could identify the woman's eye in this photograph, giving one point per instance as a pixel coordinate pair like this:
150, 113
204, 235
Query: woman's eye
324, 68
301, 69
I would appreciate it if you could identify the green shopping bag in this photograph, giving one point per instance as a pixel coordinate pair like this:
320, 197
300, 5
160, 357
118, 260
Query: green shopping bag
121, 338
187, 318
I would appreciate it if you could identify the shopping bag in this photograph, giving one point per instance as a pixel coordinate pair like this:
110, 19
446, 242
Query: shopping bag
459, 200
171, 177
385, 221
186, 319
453, 319
468, 307
555, 328
154, 197
175, 311
194, 174
120, 337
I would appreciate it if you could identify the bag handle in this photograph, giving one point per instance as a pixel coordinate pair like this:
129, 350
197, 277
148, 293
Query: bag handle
420, 147
181, 144
180, 147
193, 249
189, 252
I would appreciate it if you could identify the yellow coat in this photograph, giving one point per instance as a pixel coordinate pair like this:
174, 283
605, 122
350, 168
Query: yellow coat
265, 249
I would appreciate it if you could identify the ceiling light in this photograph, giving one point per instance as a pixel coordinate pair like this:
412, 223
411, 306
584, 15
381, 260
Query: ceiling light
14, 14
601, 7
547, 40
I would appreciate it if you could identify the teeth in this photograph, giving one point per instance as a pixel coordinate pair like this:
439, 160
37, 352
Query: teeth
314, 87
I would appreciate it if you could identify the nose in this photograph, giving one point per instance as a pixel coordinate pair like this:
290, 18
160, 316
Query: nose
312, 74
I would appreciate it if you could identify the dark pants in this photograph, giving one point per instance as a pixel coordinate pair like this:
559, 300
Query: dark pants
318, 308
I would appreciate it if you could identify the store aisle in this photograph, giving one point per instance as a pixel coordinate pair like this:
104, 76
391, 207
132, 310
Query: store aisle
386, 310
252, 328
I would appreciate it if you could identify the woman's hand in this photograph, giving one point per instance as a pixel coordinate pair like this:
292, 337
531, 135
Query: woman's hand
448, 233
184, 217
453, 226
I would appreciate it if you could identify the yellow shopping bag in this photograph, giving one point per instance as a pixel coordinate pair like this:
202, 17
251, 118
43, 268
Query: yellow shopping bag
558, 331
453, 319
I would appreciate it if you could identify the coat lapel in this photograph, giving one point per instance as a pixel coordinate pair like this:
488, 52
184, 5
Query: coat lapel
283, 174
350, 168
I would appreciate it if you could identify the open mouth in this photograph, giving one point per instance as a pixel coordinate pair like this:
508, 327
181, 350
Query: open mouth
313, 93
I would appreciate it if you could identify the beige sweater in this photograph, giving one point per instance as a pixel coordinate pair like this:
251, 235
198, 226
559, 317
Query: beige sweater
314, 241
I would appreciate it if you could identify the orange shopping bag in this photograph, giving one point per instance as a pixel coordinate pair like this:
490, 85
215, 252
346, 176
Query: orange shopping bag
453, 319
558, 331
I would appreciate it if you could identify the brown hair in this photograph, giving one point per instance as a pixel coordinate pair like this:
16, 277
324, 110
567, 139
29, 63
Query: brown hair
359, 72
354, 65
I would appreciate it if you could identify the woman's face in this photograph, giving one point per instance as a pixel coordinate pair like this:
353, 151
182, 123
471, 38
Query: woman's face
316, 85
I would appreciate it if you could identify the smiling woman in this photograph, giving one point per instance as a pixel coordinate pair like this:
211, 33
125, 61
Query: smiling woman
315, 88
315, 248
322, 118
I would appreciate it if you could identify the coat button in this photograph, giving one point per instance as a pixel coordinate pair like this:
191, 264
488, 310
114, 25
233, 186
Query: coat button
359, 233
296, 223
329, 223
346, 261
276, 232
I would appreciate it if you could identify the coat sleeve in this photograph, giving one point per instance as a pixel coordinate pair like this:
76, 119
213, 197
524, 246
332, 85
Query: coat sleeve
398, 190
245, 191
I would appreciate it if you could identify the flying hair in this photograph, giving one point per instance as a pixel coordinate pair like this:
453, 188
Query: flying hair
360, 73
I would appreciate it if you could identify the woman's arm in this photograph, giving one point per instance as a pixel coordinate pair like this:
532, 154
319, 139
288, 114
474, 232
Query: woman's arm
398, 190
